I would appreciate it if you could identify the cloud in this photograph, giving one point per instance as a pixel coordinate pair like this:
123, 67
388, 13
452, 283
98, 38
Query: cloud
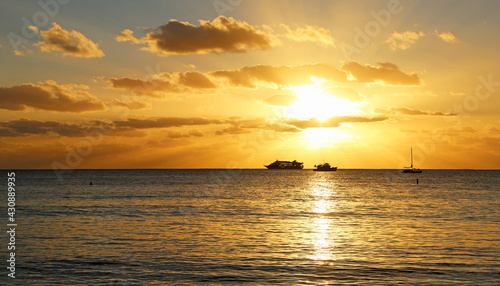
447, 37
309, 33
69, 43
25, 127
159, 85
126, 36
49, 96
164, 83
163, 122
279, 76
387, 73
403, 40
335, 121
408, 111
222, 35
344, 93
233, 130
281, 100
132, 126
177, 134
135, 105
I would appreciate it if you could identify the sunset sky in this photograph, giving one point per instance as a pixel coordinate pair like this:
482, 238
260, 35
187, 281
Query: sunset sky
241, 83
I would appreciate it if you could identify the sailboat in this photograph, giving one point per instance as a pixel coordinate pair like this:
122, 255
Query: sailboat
411, 169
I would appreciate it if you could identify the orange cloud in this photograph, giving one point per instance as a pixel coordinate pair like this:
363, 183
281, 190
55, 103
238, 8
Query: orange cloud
403, 40
408, 111
332, 121
447, 37
314, 34
164, 83
49, 96
387, 73
130, 105
134, 127
71, 43
222, 35
279, 76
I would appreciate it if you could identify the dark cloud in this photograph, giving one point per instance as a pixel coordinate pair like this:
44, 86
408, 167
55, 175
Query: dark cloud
279, 76
71, 43
25, 127
135, 127
387, 73
222, 35
49, 96
164, 122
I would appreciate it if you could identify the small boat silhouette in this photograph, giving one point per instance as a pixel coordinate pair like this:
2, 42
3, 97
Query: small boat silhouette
411, 169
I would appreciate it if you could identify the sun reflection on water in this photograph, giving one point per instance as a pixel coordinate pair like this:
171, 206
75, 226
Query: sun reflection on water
322, 237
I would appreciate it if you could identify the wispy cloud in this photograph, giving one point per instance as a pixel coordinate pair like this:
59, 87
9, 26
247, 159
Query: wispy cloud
408, 111
447, 37
335, 121
309, 33
134, 105
404, 40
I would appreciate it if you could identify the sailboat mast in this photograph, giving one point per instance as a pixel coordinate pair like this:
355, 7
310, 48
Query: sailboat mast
411, 152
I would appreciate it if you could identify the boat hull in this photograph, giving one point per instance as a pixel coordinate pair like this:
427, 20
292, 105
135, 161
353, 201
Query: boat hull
284, 168
285, 165
412, 171
326, 170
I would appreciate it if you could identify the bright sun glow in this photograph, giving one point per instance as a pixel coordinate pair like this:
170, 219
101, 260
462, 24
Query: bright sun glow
313, 103
324, 137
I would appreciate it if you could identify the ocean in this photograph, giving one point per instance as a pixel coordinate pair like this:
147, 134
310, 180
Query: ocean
254, 227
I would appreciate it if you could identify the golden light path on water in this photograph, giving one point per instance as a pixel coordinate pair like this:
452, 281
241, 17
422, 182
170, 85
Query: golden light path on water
323, 239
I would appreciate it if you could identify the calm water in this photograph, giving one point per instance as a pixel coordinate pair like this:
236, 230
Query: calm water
260, 227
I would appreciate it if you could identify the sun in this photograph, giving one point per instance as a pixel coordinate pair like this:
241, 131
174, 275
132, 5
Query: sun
313, 103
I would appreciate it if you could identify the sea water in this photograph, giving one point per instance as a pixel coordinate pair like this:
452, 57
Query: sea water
254, 227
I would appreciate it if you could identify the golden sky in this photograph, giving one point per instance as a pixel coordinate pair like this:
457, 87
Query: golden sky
240, 83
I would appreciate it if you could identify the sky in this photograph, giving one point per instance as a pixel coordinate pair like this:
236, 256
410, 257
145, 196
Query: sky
242, 83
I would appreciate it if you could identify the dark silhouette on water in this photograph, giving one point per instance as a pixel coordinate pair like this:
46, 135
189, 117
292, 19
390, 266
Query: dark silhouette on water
324, 167
411, 169
285, 165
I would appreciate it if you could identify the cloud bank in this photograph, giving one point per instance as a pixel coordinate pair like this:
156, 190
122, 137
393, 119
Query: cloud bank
49, 96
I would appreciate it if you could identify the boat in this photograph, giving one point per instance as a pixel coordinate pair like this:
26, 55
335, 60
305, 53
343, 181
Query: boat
285, 165
324, 167
411, 169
